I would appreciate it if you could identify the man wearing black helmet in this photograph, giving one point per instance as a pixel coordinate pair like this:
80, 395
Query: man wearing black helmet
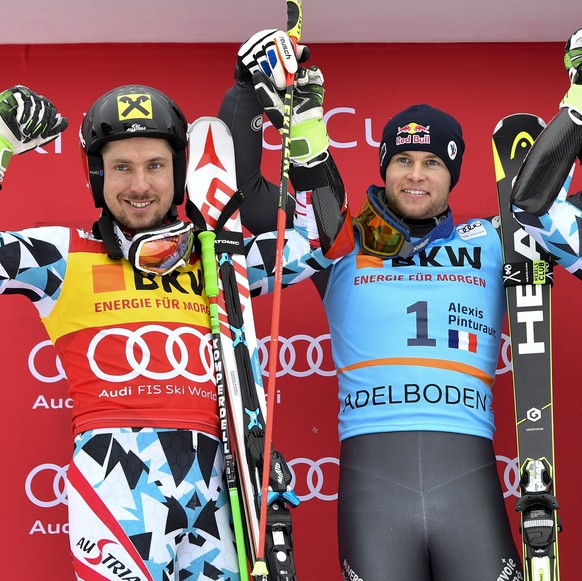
145, 484
145, 177
416, 316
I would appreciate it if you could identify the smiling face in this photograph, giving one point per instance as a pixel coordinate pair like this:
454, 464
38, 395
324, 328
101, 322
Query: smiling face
138, 182
417, 185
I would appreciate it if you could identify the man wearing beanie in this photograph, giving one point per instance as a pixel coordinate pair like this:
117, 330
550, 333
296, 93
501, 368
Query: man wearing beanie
419, 495
415, 313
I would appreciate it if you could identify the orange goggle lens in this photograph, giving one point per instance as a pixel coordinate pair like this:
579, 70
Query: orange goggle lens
378, 236
162, 255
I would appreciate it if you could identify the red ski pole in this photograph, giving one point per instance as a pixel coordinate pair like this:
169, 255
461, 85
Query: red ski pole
294, 26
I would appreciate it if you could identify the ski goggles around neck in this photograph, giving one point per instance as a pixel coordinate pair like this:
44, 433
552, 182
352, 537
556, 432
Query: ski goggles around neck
385, 235
160, 250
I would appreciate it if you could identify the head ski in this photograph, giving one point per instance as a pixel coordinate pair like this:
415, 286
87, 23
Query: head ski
528, 280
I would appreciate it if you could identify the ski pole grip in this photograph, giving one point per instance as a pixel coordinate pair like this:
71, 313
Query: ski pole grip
209, 262
294, 19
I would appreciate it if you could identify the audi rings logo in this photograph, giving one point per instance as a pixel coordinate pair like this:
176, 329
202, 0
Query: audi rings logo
46, 485
318, 478
505, 354
314, 478
138, 355
44, 363
300, 356
510, 475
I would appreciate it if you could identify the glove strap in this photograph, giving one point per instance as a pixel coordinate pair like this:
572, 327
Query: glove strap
6, 151
573, 101
309, 140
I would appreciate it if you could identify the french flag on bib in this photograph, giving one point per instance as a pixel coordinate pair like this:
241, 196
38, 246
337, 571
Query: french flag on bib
462, 340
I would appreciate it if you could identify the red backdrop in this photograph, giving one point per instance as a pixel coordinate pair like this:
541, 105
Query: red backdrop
477, 83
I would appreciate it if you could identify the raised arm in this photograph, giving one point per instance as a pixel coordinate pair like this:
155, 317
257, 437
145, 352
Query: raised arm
539, 198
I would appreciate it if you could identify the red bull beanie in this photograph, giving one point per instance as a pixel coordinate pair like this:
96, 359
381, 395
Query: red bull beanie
424, 128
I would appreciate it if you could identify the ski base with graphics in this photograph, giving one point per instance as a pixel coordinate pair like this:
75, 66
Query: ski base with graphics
213, 206
528, 280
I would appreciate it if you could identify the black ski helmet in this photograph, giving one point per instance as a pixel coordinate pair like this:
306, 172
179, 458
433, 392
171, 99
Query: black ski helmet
133, 111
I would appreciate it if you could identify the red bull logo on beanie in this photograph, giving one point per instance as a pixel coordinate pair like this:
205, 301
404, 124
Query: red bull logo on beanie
413, 128
413, 133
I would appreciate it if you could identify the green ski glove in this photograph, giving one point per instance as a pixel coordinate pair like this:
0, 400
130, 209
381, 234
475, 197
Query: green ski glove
27, 120
309, 139
573, 57
573, 61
